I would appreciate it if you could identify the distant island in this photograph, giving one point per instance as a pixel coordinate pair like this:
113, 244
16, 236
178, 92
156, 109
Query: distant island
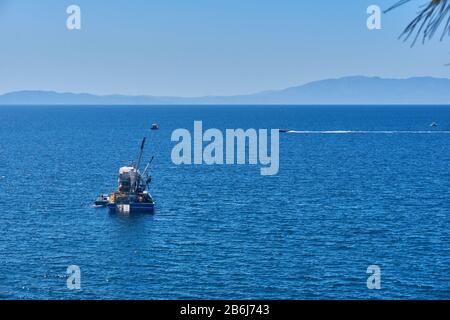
347, 90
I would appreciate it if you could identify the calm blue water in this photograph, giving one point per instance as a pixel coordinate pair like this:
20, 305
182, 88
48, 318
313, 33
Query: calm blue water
340, 203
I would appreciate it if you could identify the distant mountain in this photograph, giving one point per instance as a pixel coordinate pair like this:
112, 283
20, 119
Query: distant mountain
55, 98
347, 90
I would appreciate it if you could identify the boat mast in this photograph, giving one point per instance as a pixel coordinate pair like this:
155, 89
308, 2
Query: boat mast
137, 183
138, 162
147, 166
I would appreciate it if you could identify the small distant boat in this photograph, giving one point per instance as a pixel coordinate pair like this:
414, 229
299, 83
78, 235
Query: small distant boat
284, 130
154, 126
433, 124
101, 200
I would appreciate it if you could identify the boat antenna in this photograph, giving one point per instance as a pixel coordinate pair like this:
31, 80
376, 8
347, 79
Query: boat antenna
148, 165
141, 151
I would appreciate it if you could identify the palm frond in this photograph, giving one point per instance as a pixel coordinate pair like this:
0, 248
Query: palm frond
428, 20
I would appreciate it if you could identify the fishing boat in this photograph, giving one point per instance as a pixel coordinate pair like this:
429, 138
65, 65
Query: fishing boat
434, 124
132, 194
154, 126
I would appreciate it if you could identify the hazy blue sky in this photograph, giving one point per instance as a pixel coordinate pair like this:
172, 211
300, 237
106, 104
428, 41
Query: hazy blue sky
204, 47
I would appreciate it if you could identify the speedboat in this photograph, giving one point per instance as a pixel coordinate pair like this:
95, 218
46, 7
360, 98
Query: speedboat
101, 200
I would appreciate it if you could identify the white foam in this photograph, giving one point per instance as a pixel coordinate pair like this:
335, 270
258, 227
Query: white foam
366, 132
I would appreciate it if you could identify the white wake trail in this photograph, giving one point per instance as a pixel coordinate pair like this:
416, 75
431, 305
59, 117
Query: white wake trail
366, 132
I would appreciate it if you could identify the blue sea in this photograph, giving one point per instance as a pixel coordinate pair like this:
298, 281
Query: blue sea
376, 194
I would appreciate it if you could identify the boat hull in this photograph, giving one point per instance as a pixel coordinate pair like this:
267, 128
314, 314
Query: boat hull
131, 208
